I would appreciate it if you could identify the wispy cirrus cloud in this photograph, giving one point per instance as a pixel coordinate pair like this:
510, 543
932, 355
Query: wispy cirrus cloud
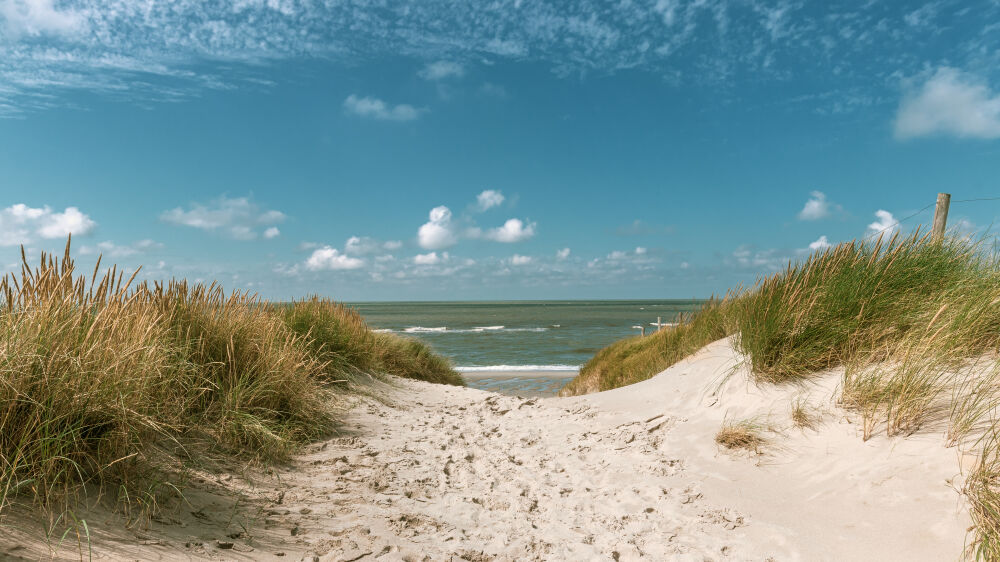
172, 50
439, 70
378, 109
239, 218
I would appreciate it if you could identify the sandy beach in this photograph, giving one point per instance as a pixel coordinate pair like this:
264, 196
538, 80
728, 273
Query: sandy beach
431, 472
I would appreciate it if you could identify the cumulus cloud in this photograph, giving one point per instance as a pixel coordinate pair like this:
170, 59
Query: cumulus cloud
109, 248
562, 254
361, 245
488, 199
821, 243
442, 69
20, 224
272, 232
430, 258
518, 259
238, 218
378, 109
885, 223
438, 232
951, 103
514, 230
640, 251
327, 258
817, 207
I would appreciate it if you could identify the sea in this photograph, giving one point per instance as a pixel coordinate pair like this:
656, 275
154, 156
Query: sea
487, 341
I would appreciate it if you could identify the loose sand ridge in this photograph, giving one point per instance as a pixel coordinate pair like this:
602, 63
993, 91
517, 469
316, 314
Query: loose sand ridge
443, 473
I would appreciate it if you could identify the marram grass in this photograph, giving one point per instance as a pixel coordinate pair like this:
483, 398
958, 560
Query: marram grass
914, 323
98, 378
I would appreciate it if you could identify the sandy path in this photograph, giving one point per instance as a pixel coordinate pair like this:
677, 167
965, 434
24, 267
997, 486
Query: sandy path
471, 475
431, 472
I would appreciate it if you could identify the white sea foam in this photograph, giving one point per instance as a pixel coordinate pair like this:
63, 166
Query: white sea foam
497, 368
445, 329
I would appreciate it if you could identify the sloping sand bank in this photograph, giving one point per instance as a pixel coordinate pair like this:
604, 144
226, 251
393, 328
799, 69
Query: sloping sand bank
444, 473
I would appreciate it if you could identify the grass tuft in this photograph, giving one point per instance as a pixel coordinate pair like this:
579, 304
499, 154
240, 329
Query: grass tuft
802, 416
742, 434
636, 359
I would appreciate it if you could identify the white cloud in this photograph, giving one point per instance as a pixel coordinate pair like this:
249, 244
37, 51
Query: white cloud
640, 251
392, 245
378, 109
237, 218
438, 232
327, 258
514, 230
442, 69
488, 199
111, 249
169, 51
885, 223
518, 259
60, 225
617, 255
272, 232
817, 207
358, 245
20, 224
562, 254
430, 258
949, 103
821, 243
36, 17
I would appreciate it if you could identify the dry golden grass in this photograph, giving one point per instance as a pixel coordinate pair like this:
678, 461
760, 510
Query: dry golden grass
636, 359
103, 382
802, 415
742, 434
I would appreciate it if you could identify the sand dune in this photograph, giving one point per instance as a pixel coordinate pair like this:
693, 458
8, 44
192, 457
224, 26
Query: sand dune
442, 473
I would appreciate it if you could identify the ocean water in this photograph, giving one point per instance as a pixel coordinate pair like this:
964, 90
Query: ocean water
485, 337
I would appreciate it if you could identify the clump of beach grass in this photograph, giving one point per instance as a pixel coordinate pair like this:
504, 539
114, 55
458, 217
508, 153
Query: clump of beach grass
802, 415
745, 434
982, 487
103, 382
340, 336
638, 358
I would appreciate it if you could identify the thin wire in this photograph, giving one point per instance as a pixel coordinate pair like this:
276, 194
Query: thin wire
980, 199
902, 220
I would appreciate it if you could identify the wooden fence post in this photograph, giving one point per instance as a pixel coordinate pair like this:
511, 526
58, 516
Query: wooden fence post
940, 216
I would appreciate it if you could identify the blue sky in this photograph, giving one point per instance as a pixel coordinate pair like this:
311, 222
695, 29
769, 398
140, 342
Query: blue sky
501, 150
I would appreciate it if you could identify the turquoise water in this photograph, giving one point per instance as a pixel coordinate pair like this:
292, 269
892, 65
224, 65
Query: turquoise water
533, 335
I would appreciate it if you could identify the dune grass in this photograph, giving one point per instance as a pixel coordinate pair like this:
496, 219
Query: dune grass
742, 434
914, 323
638, 358
103, 382
339, 336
